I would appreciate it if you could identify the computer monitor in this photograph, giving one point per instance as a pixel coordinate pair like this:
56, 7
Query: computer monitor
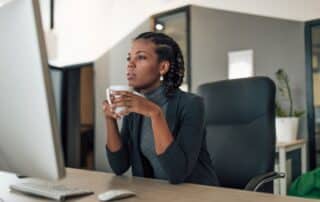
29, 137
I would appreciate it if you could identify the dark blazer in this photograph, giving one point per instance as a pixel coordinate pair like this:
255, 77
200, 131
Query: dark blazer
185, 160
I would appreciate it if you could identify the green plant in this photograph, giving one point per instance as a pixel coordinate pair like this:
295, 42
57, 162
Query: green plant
283, 86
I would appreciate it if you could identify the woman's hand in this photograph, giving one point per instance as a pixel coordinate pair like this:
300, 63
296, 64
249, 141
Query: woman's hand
134, 103
108, 110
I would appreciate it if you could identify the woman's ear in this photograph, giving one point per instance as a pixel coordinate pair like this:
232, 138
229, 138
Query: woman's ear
164, 67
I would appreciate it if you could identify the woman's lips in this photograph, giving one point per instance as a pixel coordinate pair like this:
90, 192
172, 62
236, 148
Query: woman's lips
131, 76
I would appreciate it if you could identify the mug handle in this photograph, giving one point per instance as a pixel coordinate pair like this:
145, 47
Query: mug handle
108, 96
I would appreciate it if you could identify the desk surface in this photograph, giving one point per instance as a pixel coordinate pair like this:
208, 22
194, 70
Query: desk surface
290, 144
146, 189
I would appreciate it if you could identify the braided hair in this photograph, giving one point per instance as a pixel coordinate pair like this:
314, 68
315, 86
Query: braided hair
167, 50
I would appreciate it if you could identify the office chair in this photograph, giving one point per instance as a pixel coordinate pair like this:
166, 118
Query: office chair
240, 123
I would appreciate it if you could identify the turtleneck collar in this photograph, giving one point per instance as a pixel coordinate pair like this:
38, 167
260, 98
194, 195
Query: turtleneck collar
157, 95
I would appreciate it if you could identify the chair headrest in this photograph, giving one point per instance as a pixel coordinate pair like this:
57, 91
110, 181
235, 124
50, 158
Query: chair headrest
238, 101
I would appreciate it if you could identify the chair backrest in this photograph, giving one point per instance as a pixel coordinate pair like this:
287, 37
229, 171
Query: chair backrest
240, 121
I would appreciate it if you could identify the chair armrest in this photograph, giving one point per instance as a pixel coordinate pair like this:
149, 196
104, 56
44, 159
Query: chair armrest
256, 182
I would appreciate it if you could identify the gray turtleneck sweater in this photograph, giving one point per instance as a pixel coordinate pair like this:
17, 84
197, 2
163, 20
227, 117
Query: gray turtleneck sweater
147, 147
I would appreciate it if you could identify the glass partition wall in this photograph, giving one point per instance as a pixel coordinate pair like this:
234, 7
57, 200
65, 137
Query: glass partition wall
176, 24
313, 90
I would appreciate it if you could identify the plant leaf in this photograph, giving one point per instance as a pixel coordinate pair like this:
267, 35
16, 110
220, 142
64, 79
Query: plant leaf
298, 113
280, 112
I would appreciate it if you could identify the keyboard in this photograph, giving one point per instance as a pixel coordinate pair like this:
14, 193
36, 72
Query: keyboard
49, 190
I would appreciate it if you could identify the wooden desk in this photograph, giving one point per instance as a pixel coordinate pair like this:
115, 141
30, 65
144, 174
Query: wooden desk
147, 190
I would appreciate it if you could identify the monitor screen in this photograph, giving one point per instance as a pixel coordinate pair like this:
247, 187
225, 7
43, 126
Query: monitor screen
29, 137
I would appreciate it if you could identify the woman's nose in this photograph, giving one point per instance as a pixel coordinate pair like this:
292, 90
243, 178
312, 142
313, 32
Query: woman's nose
131, 64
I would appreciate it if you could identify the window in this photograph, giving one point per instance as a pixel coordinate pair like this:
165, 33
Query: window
240, 64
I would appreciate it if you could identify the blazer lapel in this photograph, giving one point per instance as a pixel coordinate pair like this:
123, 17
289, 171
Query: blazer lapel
137, 127
171, 114
138, 169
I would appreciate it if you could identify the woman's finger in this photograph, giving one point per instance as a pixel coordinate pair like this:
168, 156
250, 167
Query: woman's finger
126, 103
112, 98
115, 116
118, 115
105, 102
117, 100
108, 111
124, 112
132, 109
105, 106
122, 93
112, 108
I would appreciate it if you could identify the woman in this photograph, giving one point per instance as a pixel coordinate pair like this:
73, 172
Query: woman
163, 133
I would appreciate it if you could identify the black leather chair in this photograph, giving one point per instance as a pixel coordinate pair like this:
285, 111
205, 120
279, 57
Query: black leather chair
240, 121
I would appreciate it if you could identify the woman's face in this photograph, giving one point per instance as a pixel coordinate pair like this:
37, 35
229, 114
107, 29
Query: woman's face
143, 70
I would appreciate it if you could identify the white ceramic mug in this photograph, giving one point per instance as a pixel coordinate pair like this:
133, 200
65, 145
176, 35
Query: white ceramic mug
114, 88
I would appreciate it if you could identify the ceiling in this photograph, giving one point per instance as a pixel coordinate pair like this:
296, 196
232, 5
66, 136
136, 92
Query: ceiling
300, 10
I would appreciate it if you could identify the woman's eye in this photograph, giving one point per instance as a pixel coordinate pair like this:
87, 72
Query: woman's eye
141, 57
128, 59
